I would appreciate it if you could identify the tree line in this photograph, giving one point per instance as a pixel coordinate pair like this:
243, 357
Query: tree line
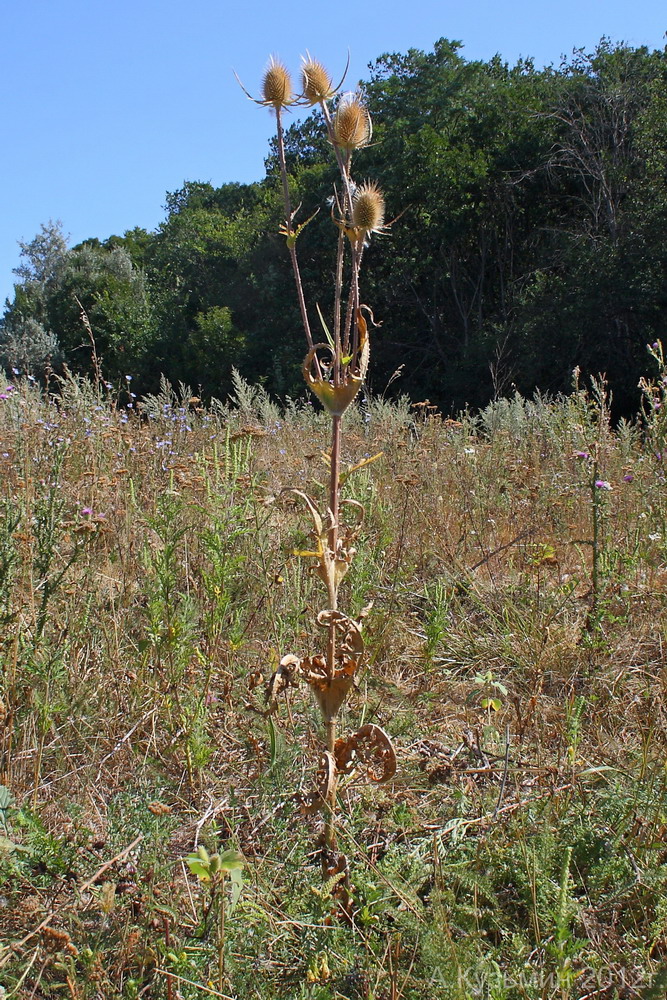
530, 238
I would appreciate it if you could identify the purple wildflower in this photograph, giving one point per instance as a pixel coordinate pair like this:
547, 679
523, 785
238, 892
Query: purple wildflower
602, 484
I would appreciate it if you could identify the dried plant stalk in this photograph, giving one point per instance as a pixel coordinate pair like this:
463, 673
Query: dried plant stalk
334, 371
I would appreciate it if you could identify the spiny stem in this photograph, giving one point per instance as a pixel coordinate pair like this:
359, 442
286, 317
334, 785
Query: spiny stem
283, 169
334, 506
334, 483
356, 264
338, 294
344, 164
288, 225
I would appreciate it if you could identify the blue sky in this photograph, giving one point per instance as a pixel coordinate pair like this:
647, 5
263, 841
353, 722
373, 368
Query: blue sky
109, 104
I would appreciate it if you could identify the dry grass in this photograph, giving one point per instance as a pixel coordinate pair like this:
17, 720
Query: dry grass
148, 591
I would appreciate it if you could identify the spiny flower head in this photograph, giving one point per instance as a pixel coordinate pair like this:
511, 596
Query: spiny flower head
368, 208
315, 81
277, 85
352, 126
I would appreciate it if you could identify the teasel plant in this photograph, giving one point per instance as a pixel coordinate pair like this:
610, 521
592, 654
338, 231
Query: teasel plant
334, 370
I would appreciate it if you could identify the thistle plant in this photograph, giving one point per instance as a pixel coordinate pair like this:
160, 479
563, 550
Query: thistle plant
334, 370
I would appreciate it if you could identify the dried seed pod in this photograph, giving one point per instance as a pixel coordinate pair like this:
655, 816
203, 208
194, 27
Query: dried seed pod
277, 85
352, 126
316, 81
368, 209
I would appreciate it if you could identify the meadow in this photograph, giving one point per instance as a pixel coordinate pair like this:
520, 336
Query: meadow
155, 835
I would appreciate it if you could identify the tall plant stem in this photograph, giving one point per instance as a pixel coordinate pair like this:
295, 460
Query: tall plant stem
342, 344
331, 724
353, 312
288, 223
338, 296
334, 490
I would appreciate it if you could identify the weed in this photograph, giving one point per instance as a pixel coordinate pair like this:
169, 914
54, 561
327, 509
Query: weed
334, 371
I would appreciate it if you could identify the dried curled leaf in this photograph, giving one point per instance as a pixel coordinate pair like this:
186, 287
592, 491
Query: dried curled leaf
349, 640
326, 776
331, 692
369, 749
317, 520
325, 783
331, 567
351, 532
285, 676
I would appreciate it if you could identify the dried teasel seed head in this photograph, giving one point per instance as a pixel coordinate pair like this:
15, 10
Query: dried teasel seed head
277, 85
352, 127
368, 208
316, 81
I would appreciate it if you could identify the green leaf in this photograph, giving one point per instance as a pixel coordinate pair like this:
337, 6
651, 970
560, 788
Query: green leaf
5, 804
198, 867
237, 885
231, 861
324, 326
5, 798
494, 703
8, 846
